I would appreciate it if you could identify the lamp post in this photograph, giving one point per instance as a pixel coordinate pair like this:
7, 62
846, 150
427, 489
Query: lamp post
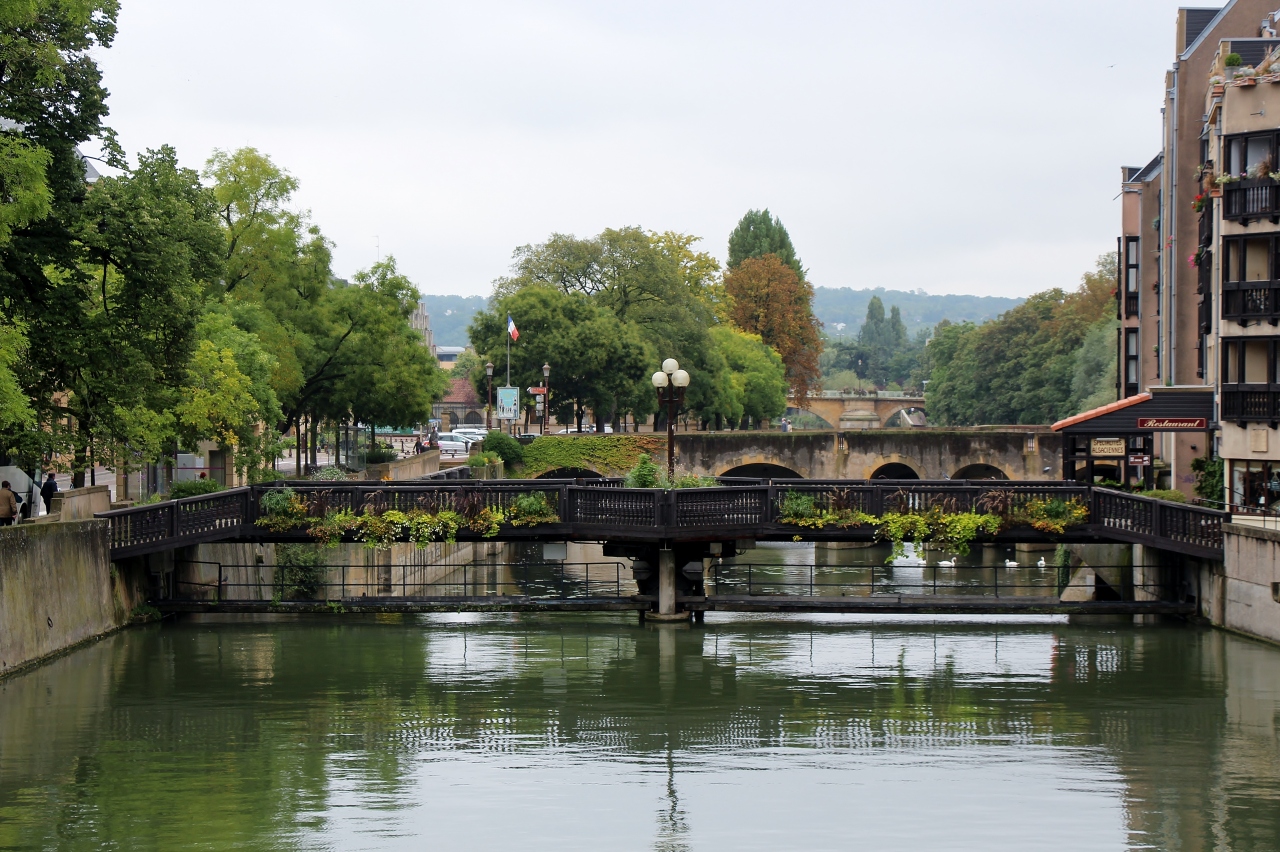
488, 409
546, 396
670, 383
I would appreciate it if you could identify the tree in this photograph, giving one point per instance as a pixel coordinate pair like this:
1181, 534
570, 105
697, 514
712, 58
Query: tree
1020, 367
758, 376
1094, 382
759, 233
15, 409
598, 363
770, 300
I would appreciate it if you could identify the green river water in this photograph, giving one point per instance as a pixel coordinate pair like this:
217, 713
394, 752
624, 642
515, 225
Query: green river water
594, 732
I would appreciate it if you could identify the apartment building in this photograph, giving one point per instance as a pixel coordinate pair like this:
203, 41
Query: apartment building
1192, 351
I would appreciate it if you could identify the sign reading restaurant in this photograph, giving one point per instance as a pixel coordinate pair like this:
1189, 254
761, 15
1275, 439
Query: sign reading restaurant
1163, 423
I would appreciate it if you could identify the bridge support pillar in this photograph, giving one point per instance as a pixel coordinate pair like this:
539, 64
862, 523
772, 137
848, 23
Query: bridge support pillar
666, 582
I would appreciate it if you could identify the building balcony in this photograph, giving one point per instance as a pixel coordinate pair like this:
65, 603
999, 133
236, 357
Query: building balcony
1131, 305
1250, 403
1245, 201
1251, 301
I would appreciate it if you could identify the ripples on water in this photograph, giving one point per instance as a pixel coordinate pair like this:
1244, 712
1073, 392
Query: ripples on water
592, 732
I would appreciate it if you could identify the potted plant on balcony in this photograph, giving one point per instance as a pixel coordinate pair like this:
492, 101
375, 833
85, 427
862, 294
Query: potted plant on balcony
1246, 76
1231, 62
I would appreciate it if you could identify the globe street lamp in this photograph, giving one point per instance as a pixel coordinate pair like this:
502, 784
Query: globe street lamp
488, 371
546, 396
670, 383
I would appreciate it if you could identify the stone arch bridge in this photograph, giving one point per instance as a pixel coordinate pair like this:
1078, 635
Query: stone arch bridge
874, 410
1033, 453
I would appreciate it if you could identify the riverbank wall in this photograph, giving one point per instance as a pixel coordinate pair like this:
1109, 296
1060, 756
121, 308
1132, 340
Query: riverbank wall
58, 589
1243, 593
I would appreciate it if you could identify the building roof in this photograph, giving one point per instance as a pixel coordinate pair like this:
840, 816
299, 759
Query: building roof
450, 350
1173, 408
462, 393
1146, 173
1252, 50
1198, 21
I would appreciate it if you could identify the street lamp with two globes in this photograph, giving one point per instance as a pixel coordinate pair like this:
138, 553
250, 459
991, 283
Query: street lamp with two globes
670, 383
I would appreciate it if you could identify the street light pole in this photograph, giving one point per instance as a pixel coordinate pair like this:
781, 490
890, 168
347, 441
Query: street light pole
670, 383
546, 396
488, 409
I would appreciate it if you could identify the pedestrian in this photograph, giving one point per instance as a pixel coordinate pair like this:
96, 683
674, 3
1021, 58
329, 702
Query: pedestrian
47, 491
8, 504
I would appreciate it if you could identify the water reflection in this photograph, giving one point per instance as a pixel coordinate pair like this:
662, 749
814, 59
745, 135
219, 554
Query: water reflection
580, 731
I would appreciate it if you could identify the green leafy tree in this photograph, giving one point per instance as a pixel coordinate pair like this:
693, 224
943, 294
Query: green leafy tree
15, 408
1094, 381
758, 376
1020, 367
759, 233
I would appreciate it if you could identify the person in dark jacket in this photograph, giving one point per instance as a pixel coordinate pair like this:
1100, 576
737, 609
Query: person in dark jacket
47, 490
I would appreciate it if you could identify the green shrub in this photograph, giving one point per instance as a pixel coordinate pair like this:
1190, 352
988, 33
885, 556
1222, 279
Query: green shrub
482, 459
1209, 478
1164, 494
283, 509
610, 455
507, 447
692, 480
528, 510
329, 474
192, 488
381, 455
1232, 60
644, 475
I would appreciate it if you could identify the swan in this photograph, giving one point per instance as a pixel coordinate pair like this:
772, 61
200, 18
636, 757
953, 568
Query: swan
947, 563
1040, 564
1009, 563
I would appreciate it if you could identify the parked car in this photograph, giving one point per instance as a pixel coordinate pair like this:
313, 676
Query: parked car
453, 448
460, 437
473, 432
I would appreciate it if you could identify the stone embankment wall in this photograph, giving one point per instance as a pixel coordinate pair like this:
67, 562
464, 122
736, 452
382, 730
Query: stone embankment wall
1243, 594
58, 589
403, 470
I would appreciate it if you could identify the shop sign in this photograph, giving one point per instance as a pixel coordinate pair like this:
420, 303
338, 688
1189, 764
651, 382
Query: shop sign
1140, 461
1166, 423
1108, 446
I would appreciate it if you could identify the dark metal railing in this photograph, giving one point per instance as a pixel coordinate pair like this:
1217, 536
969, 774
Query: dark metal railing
1245, 200
604, 509
1243, 403
1249, 300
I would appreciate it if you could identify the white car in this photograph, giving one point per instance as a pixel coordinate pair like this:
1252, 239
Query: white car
458, 437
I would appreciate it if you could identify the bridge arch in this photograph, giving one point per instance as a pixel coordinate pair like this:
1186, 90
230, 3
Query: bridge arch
570, 473
762, 470
981, 470
899, 412
895, 470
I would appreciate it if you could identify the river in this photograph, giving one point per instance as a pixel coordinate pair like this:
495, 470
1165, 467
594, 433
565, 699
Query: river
594, 732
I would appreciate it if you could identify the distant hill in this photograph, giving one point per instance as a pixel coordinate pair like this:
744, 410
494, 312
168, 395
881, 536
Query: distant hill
836, 305
450, 316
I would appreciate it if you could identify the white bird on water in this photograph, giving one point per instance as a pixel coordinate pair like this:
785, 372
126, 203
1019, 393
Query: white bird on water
947, 563
1040, 564
1009, 563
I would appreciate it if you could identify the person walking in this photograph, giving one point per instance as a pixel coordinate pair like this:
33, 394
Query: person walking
47, 490
8, 505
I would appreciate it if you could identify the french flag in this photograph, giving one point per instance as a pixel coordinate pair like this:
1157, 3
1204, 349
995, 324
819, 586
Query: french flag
511, 328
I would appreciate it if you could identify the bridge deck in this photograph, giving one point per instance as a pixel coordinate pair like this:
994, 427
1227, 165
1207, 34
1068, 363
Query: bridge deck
602, 510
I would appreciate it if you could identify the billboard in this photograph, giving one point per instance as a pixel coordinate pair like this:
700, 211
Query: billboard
508, 403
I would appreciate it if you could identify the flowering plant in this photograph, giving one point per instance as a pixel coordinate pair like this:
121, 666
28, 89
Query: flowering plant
1199, 202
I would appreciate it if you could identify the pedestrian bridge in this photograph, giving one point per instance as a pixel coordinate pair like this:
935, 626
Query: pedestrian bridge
603, 510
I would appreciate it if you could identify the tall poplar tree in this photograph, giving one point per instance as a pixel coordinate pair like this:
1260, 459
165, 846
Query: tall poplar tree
759, 233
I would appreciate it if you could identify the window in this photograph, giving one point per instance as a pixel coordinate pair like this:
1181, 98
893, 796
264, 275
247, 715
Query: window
1253, 153
1131, 362
1255, 485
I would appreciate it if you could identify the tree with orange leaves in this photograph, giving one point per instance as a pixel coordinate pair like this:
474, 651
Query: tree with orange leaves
767, 298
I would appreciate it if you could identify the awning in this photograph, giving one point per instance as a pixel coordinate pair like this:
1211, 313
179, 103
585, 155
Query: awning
1161, 409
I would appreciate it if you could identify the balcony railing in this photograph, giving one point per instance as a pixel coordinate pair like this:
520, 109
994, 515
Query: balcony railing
1251, 403
1251, 300
1247, 200
1131, 305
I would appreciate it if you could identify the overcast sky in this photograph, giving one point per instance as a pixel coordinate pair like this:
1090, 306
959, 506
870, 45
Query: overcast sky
956, 147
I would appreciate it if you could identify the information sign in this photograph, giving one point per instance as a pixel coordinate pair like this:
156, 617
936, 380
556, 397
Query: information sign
508, 403
1140, 461
1108, 446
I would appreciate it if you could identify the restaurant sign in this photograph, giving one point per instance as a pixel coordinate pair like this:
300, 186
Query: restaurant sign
1164, 424
1108, 446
